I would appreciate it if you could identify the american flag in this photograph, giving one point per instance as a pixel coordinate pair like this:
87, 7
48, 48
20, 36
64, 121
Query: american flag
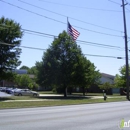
72, 32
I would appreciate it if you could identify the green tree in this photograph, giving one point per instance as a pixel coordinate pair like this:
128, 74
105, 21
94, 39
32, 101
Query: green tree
32, 70
23, 80
86, 74
10, 33
17, 80
120, 80
40, 73
30, 86
24, 67
106, 86
63, 65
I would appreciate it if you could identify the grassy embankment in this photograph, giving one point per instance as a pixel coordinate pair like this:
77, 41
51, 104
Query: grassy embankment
26, 101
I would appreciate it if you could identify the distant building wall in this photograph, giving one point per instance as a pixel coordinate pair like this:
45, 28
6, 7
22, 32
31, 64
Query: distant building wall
107, 78
104, 78
21, 71
115, 90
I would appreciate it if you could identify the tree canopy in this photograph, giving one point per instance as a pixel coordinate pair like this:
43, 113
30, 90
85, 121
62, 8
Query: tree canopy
63, 65
31, 70
120, 80
10, 35
24, 81
24, 67
106, 86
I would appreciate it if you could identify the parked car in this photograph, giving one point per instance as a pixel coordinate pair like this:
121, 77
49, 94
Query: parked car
16, 89
0, 88
3, 89
25, 92
9, 90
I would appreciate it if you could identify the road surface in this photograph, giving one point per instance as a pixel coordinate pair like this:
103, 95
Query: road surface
100, 116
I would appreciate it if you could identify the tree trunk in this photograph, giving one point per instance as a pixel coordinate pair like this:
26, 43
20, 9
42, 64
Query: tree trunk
83, 91
65, 91
69, 90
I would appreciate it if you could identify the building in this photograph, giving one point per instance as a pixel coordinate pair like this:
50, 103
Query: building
104, 78
107, 78
20, 71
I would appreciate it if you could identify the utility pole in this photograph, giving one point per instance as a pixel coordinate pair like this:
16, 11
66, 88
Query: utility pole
126, 50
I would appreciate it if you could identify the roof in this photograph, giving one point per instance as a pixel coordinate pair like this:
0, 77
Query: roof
107, 75
20, 71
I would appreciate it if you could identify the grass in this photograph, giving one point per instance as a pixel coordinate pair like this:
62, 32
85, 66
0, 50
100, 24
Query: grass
89, 94
46, 92
52, 101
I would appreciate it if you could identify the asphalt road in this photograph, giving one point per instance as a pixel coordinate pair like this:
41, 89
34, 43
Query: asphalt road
100, 116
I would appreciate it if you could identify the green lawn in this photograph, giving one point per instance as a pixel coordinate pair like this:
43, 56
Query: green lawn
93, 94
18, 98
16, 103
46, 92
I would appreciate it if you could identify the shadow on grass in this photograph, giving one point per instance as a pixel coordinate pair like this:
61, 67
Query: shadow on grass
5, 98
69, 97
88, 94
72, 97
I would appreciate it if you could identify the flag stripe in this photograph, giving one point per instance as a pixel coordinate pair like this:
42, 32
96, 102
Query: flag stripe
72, 32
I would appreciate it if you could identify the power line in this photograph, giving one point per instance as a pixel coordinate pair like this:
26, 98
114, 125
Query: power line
32, 12
80, 7
105, 56
37, 34
95, 25
128, 9
58, 20
120, 4
41, 8
68, 16
3, 43
127, 3
114, 2
81, 41
6, 26
84, 43
97, 32
96, 45
87, 30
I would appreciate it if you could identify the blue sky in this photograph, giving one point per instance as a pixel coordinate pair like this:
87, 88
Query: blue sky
98, 12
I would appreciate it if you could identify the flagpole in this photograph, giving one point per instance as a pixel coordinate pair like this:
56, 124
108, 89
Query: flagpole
67, 25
